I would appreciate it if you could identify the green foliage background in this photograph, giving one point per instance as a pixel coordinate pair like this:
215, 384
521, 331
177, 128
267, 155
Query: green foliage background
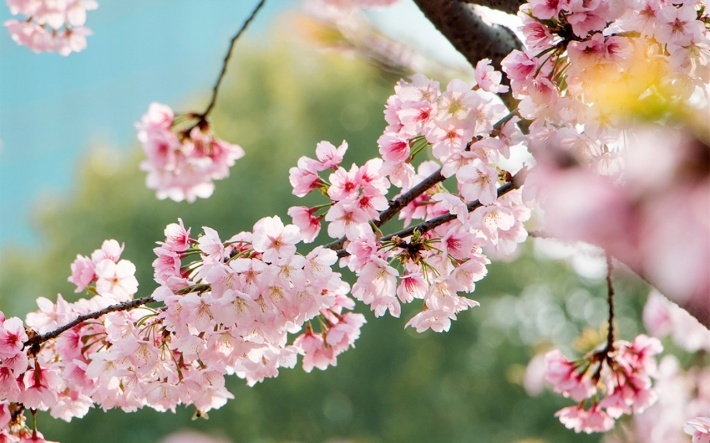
397, 385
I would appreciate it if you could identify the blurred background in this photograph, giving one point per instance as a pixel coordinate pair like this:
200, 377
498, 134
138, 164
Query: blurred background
69, 179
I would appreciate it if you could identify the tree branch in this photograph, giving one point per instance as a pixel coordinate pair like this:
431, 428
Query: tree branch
397, 204
509, 6
471, 36
697, 305
131, 304
516, 182
215, 89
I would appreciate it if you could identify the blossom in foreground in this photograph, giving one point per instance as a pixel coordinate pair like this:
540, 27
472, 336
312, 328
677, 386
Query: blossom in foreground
699, 428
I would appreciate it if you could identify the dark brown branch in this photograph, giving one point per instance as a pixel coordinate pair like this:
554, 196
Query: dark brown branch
403, 200
39, 339
471, 36
515, 183
509, 6
398, 204
215, 89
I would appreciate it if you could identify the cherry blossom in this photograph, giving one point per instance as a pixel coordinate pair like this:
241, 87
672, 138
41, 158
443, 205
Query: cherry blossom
614, 381
250, 305
183, 163
49, 26
699, 428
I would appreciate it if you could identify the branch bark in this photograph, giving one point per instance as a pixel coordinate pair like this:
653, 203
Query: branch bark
471, 36
125, 306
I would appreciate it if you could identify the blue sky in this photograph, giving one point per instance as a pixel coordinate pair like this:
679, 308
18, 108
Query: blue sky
52, 108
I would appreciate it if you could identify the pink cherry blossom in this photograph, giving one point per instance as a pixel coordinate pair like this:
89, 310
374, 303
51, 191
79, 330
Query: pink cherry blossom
489, 79
116, 280
308, 224
699, 428
83, 272
316, 352
275, 240
12, 337
478, 182
329, 156
304, 177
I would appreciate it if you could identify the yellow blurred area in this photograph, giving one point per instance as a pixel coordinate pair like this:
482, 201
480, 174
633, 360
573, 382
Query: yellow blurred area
646, 87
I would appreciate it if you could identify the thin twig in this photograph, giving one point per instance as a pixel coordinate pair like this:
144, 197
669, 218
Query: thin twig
131, 304
396, 205
215, 89
403, 200
515, 183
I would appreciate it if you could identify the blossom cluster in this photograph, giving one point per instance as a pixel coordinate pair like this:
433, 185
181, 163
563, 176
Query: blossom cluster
683, 396
613, 381
61, 375
589, 62
617, 96
234, 308
683, 388
230, 310
590, 69
50, 25
182, 163
430, 264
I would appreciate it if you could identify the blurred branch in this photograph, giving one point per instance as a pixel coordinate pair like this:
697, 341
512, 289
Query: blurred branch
697, 305
357, 35
509, 6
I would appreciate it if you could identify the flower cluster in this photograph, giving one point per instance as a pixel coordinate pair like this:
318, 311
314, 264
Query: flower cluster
683, 388
234, 308
431, 263
182, 163
230, 310
682, 395
50, 25
589, 63
60, 375
613, 382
